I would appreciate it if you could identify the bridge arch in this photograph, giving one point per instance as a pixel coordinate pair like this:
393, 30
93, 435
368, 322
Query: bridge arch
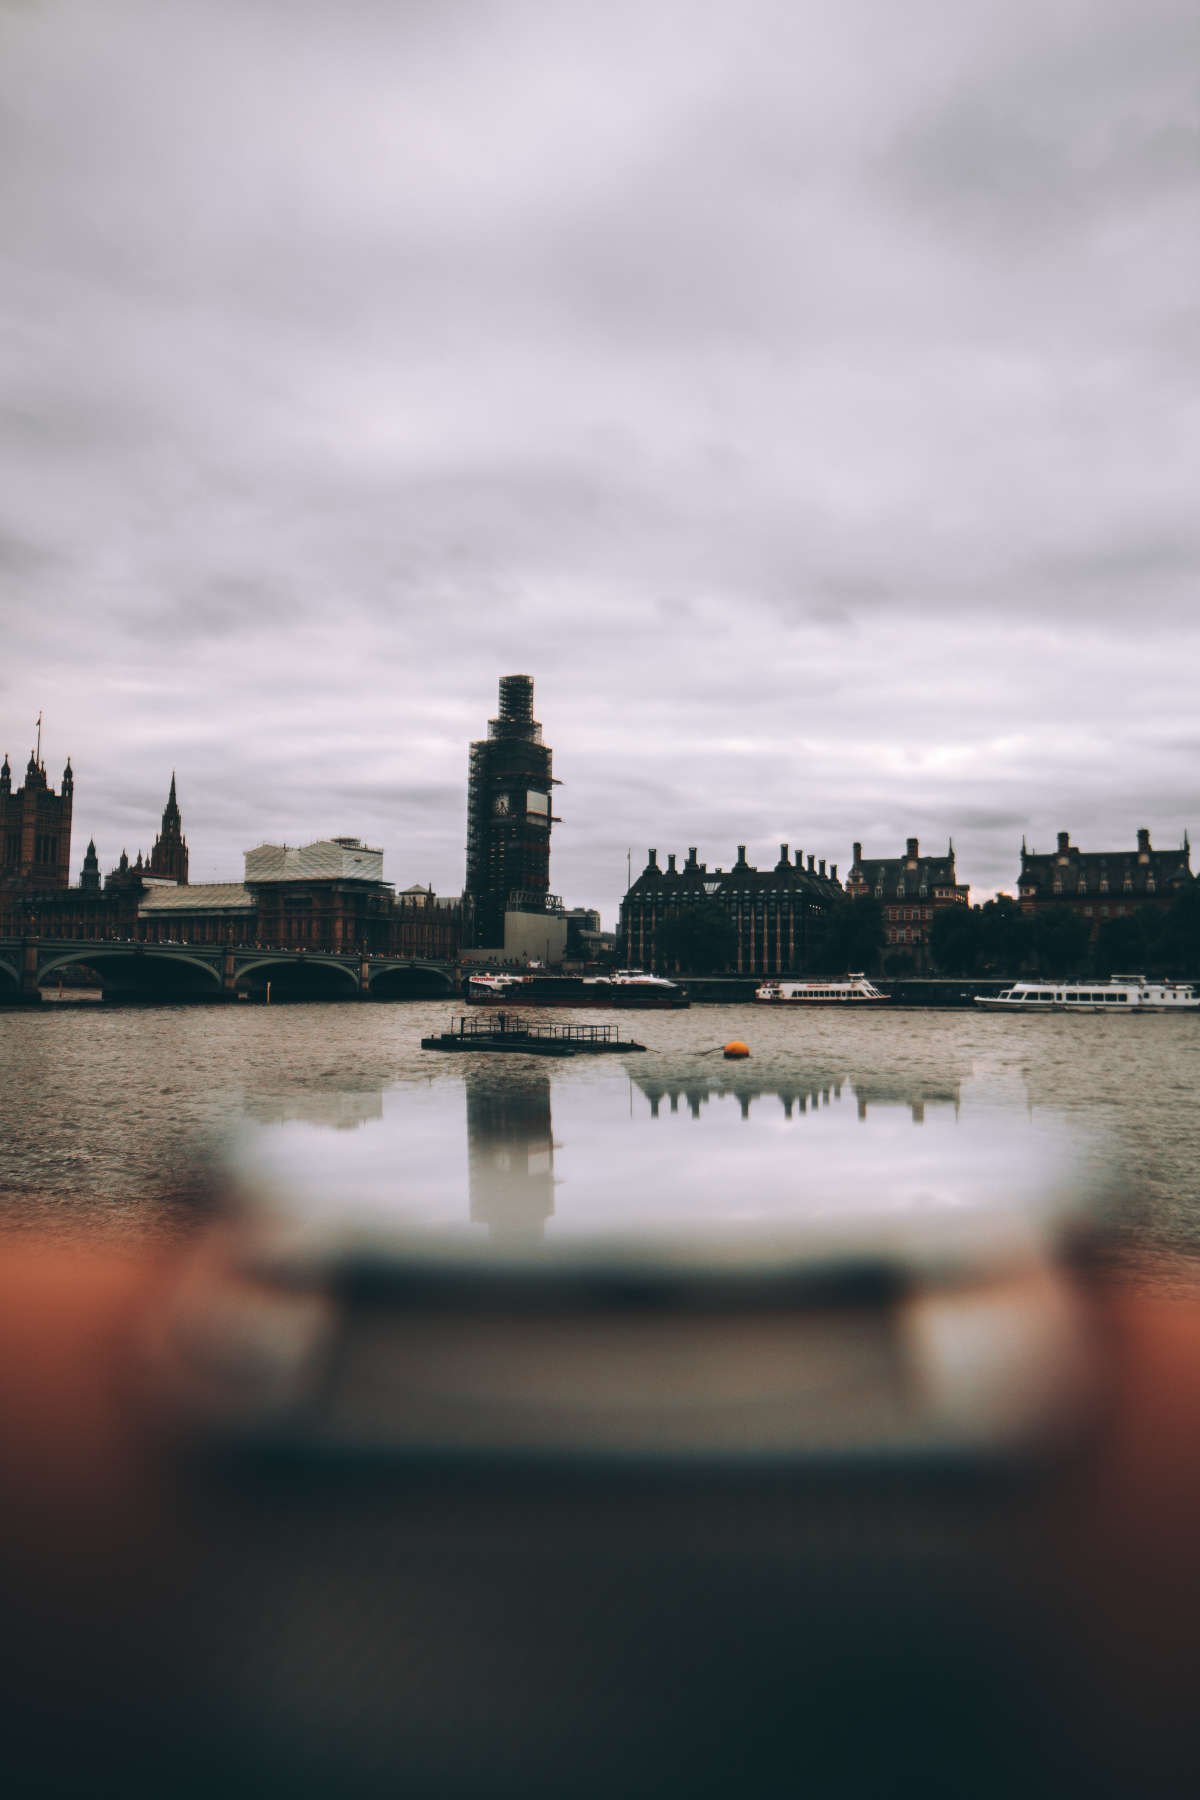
93, 954
137, 971
409, 981
296, 977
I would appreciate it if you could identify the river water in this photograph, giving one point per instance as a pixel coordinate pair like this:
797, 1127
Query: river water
115, 1123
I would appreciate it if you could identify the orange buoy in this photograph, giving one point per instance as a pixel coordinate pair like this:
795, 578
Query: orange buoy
735, 1048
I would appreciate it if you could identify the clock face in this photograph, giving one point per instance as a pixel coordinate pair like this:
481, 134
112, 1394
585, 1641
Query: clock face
500, 803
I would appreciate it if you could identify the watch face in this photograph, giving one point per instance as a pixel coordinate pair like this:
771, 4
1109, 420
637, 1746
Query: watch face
500, 803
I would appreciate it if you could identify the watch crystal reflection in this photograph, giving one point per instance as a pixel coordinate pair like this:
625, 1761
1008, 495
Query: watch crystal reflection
510, 1146
722, 1166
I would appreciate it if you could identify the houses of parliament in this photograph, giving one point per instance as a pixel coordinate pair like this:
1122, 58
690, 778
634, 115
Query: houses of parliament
326, 896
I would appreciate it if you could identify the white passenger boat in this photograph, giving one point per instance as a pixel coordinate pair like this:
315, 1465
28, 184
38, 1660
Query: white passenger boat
1120, 994
847, 990
624, 988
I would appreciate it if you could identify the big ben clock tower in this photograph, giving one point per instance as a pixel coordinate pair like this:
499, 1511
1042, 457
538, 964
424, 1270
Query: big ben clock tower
509, 816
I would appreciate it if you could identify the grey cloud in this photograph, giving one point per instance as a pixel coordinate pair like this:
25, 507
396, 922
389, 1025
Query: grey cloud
1090, 115
1142, 564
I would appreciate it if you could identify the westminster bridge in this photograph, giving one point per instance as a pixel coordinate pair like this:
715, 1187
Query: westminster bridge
29, 966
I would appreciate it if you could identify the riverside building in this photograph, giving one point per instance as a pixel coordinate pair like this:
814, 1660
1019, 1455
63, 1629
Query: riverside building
912, 888
1102, 884
780, 916
325, 896
510, 784
35, 828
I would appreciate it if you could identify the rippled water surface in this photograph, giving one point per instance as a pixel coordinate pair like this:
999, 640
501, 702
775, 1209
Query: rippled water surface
110, 1121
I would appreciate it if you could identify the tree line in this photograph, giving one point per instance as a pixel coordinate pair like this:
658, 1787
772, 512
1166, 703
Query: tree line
996, 938
1056, 940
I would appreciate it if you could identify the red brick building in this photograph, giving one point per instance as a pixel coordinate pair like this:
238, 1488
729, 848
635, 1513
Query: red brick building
328, 896
911, 888
35, 829
1102, 884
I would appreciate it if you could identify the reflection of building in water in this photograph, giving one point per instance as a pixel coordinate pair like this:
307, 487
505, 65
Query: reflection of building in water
510, 1144
802, 1095
344, 1110
912, 1091
916, 1088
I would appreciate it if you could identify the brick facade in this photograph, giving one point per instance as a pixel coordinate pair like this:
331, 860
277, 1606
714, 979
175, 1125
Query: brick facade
35, 829
1102, 884
911, 889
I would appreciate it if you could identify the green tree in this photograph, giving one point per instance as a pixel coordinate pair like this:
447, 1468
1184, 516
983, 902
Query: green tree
855, 936
954, 939
1005, 936
699, 939
1060, 940
1179, 938
1126, 944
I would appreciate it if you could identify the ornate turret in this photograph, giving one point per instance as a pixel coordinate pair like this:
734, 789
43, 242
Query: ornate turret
90, 876
35, 827
169, 857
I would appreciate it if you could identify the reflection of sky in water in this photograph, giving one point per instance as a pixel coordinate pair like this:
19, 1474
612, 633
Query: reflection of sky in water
509, 1159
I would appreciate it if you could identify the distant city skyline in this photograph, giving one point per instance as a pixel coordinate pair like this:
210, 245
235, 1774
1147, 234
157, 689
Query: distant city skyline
635, 864
807, 399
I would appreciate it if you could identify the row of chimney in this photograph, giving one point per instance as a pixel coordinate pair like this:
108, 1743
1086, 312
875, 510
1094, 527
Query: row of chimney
691, 866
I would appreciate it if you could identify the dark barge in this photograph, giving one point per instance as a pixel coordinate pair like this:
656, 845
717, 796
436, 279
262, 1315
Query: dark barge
499, 1034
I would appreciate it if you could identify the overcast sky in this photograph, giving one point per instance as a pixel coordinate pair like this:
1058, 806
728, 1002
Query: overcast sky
804, 394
